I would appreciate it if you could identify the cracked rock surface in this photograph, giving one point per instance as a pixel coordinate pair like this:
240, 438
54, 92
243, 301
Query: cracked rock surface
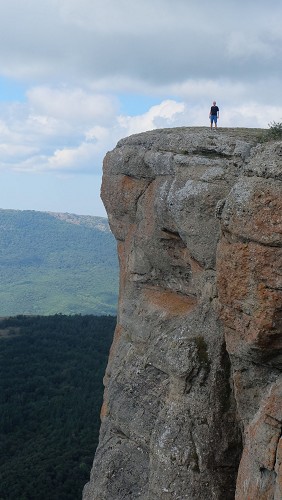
193, 389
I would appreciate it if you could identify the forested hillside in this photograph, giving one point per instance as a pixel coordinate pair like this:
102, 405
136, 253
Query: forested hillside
51, 371
56, 263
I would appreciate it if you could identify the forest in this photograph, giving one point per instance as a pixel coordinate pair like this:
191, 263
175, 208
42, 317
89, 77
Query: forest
56, 263
51, 371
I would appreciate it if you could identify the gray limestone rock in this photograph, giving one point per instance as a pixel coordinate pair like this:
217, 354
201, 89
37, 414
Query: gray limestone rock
182, 386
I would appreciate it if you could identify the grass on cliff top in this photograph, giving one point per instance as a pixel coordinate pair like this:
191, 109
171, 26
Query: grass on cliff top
243, 133
273, 133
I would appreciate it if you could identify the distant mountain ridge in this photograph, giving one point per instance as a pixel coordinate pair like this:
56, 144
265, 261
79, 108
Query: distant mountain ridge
54, 262
100, 223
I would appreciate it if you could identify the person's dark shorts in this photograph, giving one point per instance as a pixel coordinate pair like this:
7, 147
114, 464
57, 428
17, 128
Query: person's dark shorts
213, 118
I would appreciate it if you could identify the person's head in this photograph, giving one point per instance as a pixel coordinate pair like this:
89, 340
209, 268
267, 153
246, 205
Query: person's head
214, 103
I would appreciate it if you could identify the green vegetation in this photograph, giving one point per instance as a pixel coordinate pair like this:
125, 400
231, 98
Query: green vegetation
56, 263
275, 130
51, 371
273, 133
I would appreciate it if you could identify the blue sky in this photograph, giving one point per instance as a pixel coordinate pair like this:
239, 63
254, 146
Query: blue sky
78, 75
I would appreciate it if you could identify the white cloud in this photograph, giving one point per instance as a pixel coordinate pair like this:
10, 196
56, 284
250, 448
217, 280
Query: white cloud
97, 133
165, 114
156, 41
250, 115
71, 104
8, 152
45, 135
56, 130
69, 159
75, 55
49, 133
245, 46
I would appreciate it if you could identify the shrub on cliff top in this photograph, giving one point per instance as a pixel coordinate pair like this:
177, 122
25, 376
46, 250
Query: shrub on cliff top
274, 133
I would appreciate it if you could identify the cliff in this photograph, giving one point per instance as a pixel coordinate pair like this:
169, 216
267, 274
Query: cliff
193, 389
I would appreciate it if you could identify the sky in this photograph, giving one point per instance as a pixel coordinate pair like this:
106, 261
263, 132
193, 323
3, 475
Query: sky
78, 75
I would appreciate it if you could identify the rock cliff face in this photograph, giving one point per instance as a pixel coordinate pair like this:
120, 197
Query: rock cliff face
193, 389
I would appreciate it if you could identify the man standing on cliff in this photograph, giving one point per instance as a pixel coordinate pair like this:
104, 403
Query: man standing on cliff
214, 114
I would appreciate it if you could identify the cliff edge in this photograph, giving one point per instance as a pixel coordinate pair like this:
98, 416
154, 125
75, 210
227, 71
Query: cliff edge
193, 389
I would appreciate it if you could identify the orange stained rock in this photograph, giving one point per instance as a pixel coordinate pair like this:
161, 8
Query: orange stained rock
168, 301
146, 225
124, 249
260, 473
104, 408
120, 194
263, 219
116, 339
249, 286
